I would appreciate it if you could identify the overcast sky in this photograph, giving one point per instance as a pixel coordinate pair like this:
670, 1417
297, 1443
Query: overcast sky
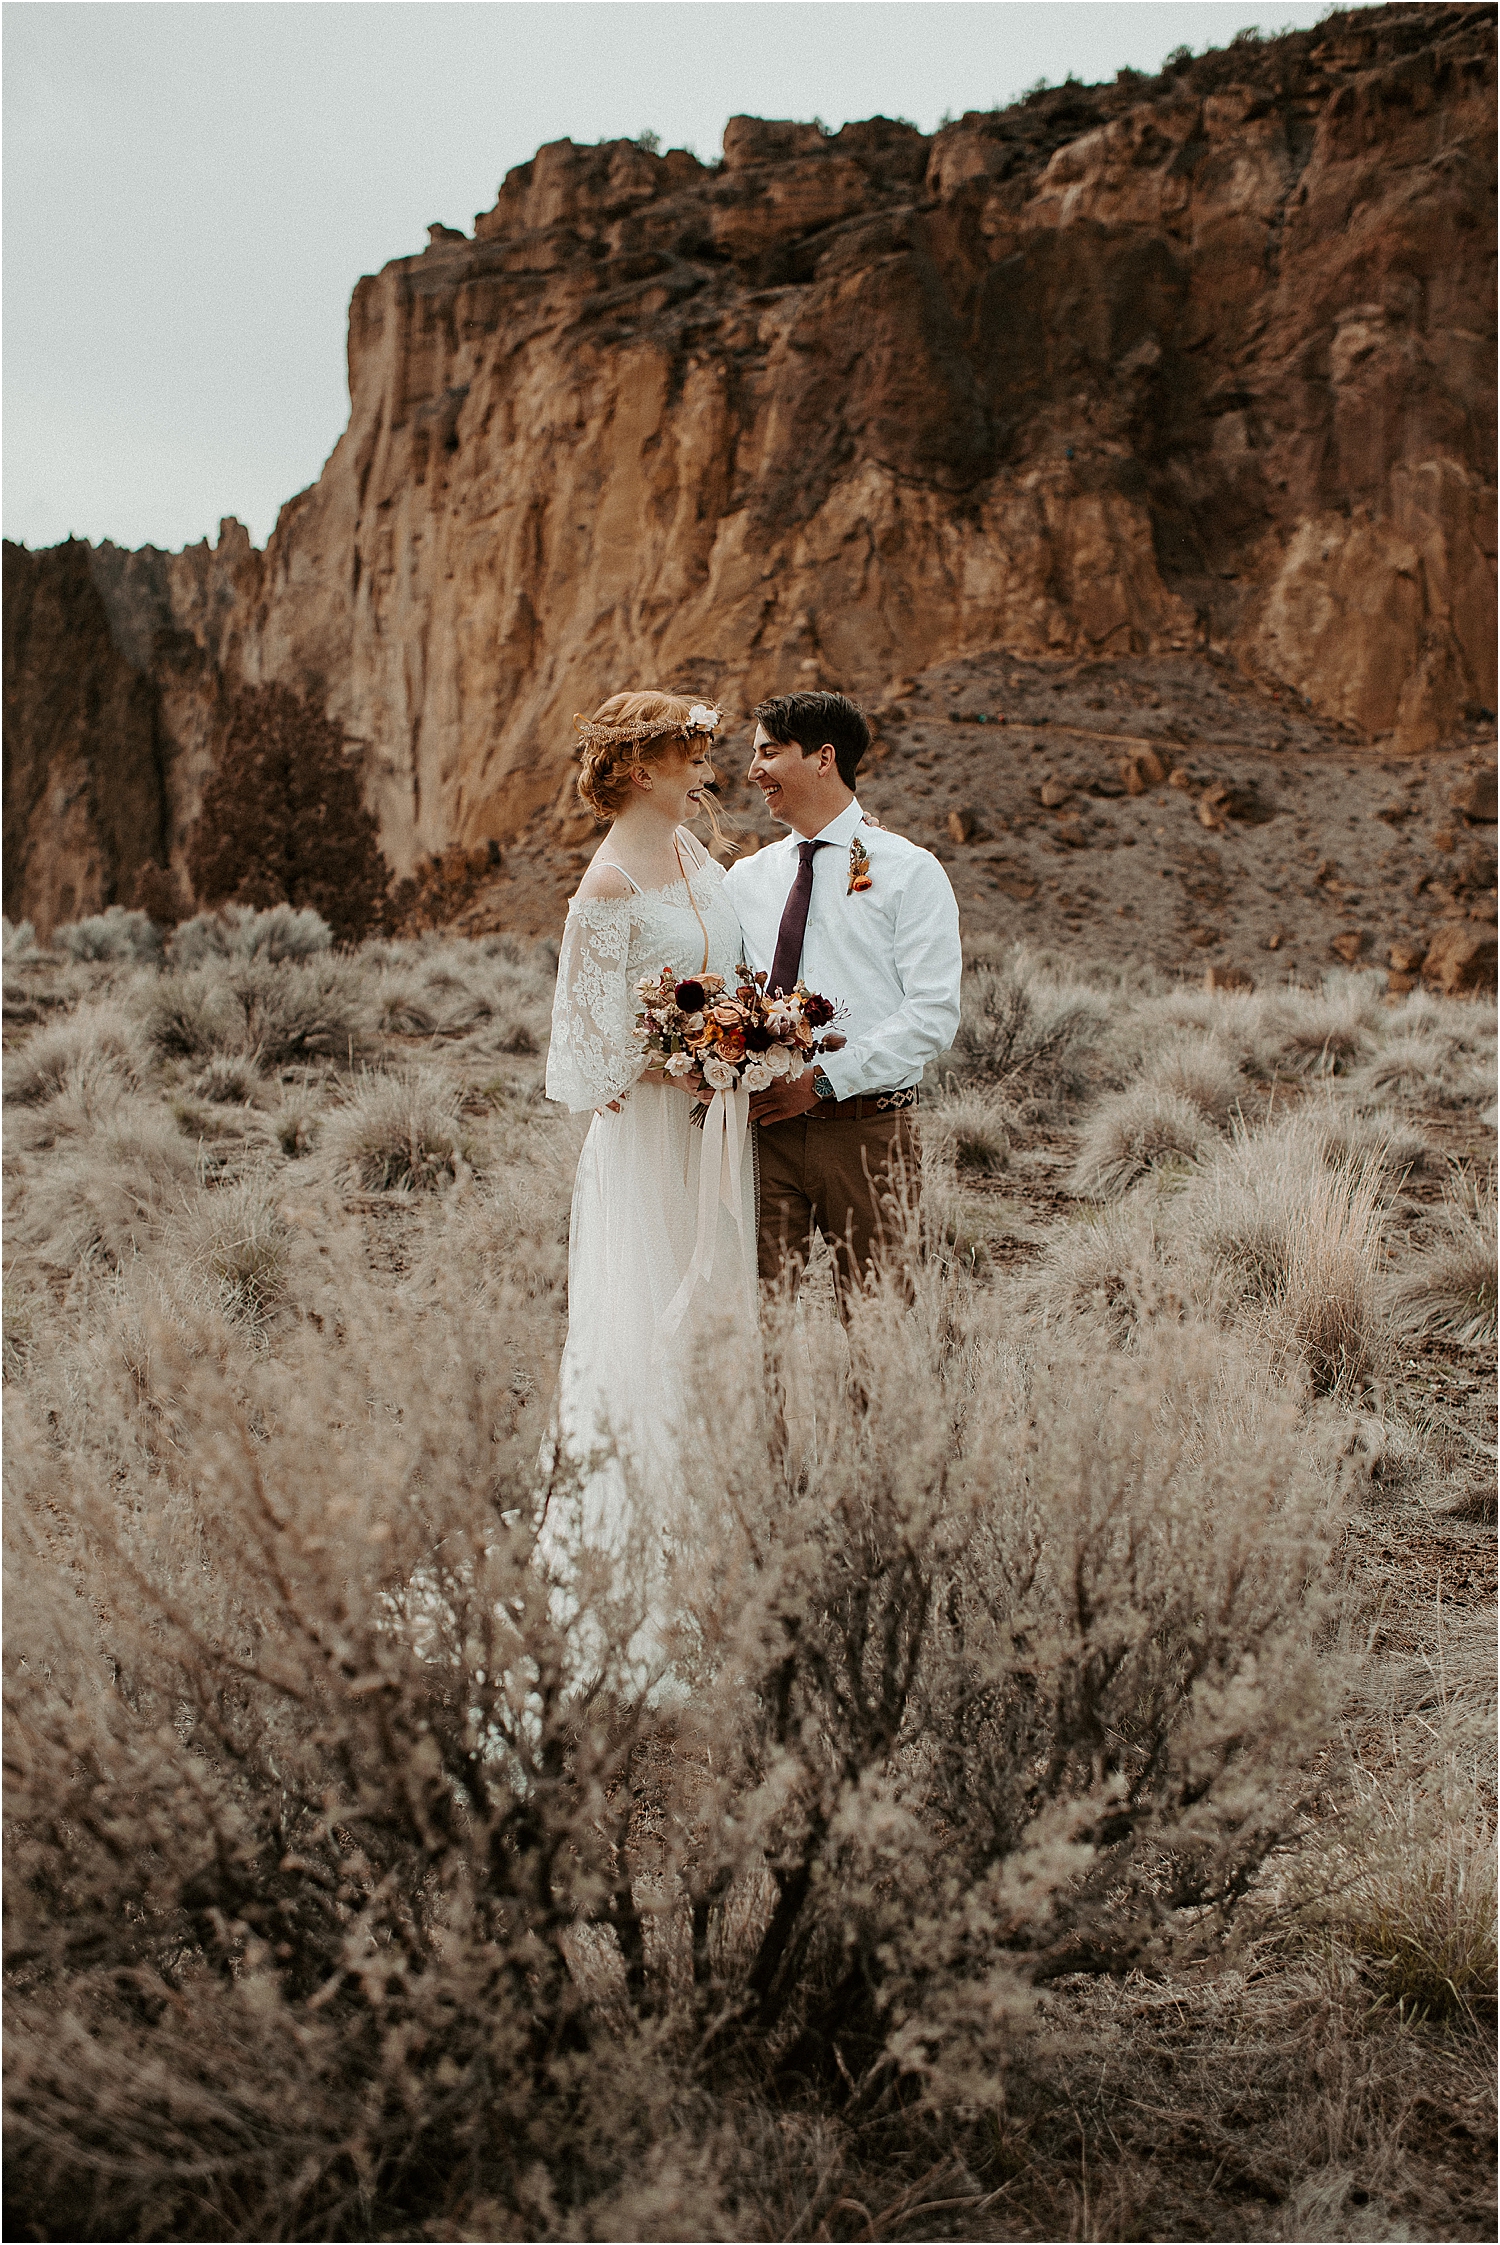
192, 191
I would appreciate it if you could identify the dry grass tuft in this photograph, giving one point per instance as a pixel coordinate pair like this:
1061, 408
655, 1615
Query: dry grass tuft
1202, 1071
238, 1236
104, 1192
1133, 1132
91, 1037
1301, 1238
968, 1133
230, 1079
400, 1133
1450, 1289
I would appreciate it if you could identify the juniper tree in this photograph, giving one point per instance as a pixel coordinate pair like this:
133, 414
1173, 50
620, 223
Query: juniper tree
284, 821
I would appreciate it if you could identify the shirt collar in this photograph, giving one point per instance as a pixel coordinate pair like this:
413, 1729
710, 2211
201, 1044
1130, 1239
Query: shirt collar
840, 829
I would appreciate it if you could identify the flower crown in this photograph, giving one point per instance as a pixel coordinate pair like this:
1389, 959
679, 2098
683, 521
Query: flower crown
701, 718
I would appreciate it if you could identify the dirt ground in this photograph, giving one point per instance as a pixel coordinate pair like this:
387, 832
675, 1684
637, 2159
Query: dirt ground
1319, 849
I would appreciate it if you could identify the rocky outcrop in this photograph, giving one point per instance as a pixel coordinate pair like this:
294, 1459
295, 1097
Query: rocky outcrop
1121, 370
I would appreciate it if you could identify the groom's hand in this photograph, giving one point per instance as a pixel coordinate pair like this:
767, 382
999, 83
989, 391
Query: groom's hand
784, 1100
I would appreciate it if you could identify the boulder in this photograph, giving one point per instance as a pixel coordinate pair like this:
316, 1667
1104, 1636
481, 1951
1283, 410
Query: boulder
961, 825
1227, 978
1053, 793
1476, 799
1349, 944
1406, 954
1142, 770
1460, 959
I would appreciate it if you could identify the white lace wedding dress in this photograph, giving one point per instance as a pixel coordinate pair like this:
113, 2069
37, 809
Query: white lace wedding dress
627, 1388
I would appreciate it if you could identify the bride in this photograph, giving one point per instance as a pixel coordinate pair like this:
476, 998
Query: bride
651, 899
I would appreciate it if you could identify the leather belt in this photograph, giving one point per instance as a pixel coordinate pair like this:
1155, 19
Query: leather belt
870, 1103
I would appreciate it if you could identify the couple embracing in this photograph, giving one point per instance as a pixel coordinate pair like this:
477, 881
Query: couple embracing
671, 1223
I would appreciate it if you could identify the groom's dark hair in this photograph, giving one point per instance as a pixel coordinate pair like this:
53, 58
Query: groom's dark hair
812, 719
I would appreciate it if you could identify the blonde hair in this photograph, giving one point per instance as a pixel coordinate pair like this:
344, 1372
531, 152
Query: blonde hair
628, 731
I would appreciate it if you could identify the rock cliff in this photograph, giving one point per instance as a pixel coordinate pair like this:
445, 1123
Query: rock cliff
1200, 361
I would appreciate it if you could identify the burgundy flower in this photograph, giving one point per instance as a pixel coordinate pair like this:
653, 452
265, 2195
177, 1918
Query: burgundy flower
816, 1011
691, 996
758, 1039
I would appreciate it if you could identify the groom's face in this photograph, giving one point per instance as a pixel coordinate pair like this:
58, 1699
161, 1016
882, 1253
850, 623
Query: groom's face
790, 781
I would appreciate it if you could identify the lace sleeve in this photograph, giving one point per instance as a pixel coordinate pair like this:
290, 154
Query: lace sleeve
593, 1055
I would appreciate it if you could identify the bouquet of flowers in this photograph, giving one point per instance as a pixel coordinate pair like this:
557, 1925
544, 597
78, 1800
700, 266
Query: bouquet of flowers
714, 1039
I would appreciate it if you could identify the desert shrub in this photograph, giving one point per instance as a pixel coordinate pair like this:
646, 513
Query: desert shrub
91, 1036
1134, 1131
115, 934
494, 992
400, 1133
17, 941
190, 1016
1302, 1238
302, 1009
1020, 1029
283, 820
334, 1981
103, 1193
390, 1895
238, 932
1449, 1289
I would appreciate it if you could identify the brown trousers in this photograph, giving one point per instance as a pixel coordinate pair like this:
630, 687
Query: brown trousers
848, 1177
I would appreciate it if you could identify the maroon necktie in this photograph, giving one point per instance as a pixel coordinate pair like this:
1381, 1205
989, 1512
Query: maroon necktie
788, 959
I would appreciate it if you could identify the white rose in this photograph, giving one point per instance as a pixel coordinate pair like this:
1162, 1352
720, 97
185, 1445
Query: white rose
702, 719
718, 1075
680, 1064
757, 1076
778, 1060
692, 1023
796, 1066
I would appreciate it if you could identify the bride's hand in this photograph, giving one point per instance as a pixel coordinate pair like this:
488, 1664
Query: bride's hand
654, 1076
688, 1084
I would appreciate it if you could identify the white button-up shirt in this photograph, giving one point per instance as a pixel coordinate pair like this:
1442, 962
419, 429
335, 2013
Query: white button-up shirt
889, 953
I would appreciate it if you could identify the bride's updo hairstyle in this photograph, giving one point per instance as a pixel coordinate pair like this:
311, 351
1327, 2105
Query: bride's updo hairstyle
632, 730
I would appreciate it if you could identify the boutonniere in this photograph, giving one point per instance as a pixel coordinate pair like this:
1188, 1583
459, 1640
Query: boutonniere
859, 867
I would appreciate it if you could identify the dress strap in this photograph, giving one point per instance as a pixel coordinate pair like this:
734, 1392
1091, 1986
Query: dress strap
619, 868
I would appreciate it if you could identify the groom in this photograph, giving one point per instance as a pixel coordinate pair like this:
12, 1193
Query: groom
866, 918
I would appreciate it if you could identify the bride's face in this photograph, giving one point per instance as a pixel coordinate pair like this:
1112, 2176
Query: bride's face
678, 783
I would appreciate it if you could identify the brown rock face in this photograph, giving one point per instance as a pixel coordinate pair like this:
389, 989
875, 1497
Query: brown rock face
1119, 370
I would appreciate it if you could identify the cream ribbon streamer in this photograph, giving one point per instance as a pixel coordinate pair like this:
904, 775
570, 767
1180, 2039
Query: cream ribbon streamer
725, 1129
